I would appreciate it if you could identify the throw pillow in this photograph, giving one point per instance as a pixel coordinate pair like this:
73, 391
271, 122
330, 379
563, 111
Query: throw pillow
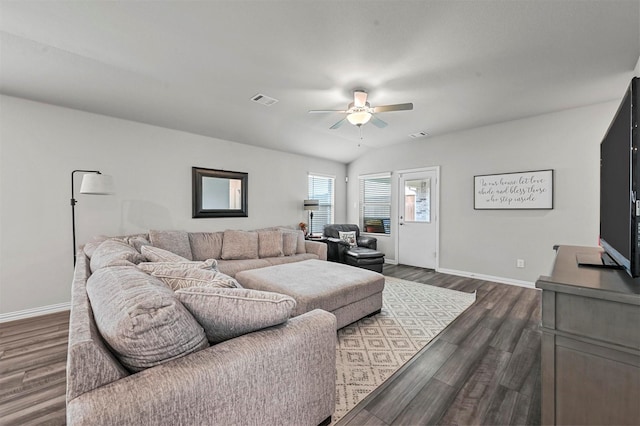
289, 243
348, 237
269, 244
238, 245
155, 254
91, 245
141, 319
114, 253
136, 242
174, 241
226, 313
177, 277
149, 267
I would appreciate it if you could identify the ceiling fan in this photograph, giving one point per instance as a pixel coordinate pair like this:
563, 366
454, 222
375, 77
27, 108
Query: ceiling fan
359, 111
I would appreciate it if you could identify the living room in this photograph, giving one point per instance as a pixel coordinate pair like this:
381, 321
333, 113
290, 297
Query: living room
43, 139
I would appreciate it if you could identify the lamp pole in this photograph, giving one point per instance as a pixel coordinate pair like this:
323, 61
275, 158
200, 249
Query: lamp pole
73, 209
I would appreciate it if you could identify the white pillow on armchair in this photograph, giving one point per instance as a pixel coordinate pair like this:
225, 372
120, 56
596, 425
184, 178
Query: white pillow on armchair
349, 238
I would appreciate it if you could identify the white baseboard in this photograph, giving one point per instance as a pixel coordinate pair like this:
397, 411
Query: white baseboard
483, 277
390, 261
34, 312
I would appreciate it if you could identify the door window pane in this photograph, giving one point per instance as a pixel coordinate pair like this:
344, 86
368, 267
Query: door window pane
417, 200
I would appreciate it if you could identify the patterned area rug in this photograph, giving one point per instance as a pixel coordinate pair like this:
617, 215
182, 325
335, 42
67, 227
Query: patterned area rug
372, 349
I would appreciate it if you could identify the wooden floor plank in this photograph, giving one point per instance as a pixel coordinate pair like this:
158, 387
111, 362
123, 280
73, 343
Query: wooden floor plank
365, 418
389, 404
502, 407
18, 327
509, 332
473, 400
428, 406
526, 353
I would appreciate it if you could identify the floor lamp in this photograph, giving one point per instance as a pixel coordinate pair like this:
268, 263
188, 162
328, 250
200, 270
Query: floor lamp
311, 205
95, 183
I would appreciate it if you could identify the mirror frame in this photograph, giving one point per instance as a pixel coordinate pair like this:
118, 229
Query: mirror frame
197, 175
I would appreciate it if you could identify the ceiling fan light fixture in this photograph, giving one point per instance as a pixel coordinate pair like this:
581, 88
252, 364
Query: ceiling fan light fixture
359, 118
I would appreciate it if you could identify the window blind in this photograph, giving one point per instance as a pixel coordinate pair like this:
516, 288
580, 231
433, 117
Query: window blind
375, 203
321, 188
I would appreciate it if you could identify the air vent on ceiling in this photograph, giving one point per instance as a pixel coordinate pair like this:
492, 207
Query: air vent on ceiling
418, 135
264, 99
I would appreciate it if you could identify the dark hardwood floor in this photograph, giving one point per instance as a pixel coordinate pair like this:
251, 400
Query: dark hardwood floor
33, 355
482, 369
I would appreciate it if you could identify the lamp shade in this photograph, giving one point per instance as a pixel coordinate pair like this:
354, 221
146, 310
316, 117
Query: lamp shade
97, 184
311, 204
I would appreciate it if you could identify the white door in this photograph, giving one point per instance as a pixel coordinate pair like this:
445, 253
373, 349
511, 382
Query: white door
418, 221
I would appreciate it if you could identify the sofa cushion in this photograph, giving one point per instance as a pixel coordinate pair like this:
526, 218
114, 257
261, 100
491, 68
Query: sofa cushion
232, 267
156, 254
289, 243
269, 244
141, 319
174, 241
300, 248
290, 259
177, 277
206, 245
114, 253
227, 313
238, 245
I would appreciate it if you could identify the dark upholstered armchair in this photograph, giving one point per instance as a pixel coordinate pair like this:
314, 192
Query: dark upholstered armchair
336, 248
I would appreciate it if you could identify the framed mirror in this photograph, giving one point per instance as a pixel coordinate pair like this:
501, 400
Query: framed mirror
219, 193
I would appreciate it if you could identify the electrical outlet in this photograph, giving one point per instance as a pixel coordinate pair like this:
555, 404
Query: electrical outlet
520, 263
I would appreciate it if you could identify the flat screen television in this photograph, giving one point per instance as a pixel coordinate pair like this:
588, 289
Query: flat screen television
620, 185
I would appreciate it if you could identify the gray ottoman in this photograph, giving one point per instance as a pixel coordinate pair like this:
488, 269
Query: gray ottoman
347, 292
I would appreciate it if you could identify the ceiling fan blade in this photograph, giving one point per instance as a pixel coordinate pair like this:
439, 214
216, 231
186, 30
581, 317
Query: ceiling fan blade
359, 98
338, 124
377, 122
396, 107
313, 111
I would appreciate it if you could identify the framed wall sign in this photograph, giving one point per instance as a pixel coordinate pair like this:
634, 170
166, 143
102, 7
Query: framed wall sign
531, 190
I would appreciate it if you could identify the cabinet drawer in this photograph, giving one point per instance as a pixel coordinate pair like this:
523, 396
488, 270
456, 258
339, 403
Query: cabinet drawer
611, 322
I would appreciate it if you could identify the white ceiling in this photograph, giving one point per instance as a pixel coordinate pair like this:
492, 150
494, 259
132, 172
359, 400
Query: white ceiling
194, 66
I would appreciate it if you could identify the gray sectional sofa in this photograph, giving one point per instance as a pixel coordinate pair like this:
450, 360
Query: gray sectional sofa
244, 252
170, 370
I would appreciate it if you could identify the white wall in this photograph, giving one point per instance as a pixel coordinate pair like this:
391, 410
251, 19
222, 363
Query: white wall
41, 144
488, 242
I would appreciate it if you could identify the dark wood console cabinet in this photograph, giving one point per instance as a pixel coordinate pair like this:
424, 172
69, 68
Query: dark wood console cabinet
590, 343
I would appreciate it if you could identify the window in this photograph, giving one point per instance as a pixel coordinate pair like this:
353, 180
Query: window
375, 203
321, 188
417, 200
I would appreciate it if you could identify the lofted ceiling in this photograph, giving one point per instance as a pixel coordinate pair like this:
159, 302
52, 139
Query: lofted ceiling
194, 66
